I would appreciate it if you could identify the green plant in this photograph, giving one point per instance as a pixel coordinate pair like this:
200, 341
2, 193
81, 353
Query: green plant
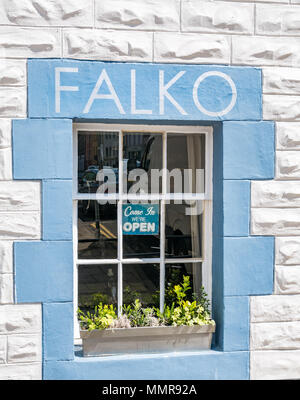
183, 311
102, 317
139, 316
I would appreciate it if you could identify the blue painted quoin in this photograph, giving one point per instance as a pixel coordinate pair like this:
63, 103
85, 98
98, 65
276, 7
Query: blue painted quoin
229, 99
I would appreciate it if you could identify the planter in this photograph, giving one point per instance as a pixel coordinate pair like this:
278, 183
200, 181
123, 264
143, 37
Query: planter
146, 339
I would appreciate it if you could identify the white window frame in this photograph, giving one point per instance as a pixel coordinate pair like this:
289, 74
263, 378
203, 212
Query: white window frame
206, 255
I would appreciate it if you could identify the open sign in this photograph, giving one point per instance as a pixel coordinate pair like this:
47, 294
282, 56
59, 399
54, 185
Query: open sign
140, 219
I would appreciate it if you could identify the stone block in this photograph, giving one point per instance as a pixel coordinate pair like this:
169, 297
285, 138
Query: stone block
108, 45
288, 135
24, 348
266, 51
287, 279
187, 48
287, 251
132, 14
17, 42
275, 308
49, 12
217, 17
275, 194
275, 221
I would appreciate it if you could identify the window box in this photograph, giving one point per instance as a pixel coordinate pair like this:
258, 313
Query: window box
146, 339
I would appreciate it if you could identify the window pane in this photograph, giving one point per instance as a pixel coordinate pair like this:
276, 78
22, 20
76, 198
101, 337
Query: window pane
97, 230
183, 232
141, 281
97, 151
174, 276
96, 284
135, 244
186, 163
142, 151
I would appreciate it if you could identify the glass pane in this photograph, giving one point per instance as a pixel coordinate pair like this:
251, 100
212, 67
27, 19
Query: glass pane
97, 151
97, 230
174, 276
138, 223
183, 229
142, 153
141, 281
96, 284
186, 163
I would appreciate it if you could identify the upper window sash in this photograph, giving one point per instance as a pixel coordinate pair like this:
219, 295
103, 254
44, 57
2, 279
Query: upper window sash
163, 129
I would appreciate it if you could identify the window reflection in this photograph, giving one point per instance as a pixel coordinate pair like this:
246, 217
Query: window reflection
97, 230
142, 151
183, 232
97, 284
97, 151
141, 281
174, 276
186, 154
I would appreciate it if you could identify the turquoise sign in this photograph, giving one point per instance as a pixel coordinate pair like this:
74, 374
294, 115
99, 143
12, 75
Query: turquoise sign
140, 219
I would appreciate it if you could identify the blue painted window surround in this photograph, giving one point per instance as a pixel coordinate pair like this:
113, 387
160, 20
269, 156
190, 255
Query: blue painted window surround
227, 98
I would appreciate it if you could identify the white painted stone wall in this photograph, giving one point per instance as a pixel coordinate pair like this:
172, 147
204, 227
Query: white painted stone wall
262, 33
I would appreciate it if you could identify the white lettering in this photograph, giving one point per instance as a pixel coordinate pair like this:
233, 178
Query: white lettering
59, 88
133, 96
163, 92
233, 93
111, 96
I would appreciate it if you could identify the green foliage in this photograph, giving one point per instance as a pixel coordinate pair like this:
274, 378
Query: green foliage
102, 318
181, 311
140, 316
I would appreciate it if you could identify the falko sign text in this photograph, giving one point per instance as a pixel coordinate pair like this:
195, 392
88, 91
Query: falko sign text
122, 91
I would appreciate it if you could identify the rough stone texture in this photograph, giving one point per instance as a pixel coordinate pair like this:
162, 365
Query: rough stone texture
275, 194
275, 221
281, 81
20, 42
6, 257
275, 336
3, 345
12, 101
23, 348
20, 318
20, 341
287, 165
275, 308
217, 17
28, 371
20, 225
274, 20
281, 108
5, 164
276, 51
275, 364
106, 45
42, 28
287, 279
288, 135
287, 251
5, 133
131, 14
187, 48
6, 288
13, 73
19, 196
47, 12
